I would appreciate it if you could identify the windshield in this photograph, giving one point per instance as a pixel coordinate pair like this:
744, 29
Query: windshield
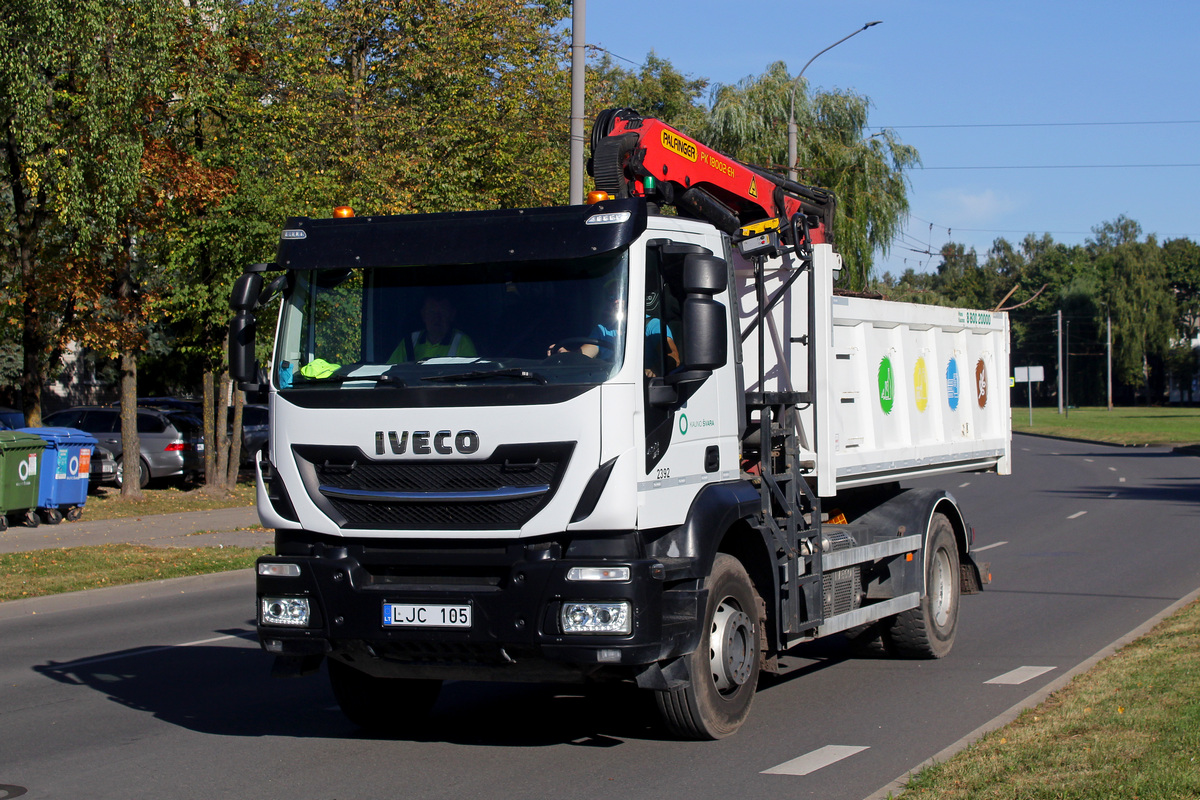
536, 322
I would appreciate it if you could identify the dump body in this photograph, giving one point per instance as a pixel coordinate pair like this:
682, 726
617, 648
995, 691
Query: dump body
901, 389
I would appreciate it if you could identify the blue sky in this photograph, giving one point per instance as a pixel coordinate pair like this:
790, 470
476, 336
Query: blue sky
1045, 71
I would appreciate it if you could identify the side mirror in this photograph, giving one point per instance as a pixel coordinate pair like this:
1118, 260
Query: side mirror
706, 331
243, 366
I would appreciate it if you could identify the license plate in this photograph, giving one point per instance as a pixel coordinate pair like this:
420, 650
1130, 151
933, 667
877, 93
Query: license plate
410, 615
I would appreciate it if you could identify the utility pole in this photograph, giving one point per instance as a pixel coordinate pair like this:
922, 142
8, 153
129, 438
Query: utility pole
792, 172
578, 67
1109, 321
1058, 316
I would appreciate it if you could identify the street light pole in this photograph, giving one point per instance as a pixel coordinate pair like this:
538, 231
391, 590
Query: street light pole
792, 105
578, 68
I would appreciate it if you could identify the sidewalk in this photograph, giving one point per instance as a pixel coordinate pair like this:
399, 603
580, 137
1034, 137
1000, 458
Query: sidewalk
224, 526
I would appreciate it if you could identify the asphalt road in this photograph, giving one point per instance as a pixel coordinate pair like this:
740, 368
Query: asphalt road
159, 690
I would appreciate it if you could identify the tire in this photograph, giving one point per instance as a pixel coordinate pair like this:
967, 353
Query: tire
928, 630
31, 518
724, 668
74, 513
51, 516
143, 473
381, 705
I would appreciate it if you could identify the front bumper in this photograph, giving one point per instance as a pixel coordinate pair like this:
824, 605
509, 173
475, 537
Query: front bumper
515, 590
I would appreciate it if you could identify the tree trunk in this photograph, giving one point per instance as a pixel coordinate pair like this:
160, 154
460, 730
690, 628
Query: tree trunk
131, 446
223, 431
235, 442
210, 433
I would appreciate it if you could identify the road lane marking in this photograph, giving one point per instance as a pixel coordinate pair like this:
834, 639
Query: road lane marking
1120, 480
1112, 469
145, 651
988, 547
1077, 515
1111, 495
1019, 675
964, 485
1090, 460
817, 759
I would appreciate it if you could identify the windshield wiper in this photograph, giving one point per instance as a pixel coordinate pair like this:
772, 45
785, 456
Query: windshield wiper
483, 374
383, 378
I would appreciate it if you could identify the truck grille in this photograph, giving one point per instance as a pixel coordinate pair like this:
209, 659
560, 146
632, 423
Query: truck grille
500, 493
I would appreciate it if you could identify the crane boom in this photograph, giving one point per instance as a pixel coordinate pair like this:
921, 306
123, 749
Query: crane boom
635, 156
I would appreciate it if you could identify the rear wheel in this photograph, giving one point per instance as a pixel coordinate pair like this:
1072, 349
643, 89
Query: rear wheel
381, 705
143, 472
928, 630
724, 668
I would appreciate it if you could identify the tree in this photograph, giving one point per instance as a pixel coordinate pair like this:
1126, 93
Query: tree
866, 173
80, 82
1137, 295
657, 90
1181, 257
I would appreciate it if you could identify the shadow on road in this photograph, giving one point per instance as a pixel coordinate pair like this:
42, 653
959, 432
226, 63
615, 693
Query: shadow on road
227, 690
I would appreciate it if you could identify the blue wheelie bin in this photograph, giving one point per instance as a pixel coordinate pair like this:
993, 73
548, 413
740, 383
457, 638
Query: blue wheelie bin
20, 460
66, 462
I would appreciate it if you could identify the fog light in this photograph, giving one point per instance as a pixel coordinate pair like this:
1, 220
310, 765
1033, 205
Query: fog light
280, 570
613, 618
598, 574
290, 611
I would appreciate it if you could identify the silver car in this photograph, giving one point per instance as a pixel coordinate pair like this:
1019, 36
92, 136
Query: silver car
172, 442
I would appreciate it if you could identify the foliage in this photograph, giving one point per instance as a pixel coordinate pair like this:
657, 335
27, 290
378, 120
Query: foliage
866, 173
657, 90
80, 83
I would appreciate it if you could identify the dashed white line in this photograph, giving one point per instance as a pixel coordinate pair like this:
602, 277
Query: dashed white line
1090, 460
817, 759
1120, 480
1111, 495
988, 547
1077, 515
145, 651
964, 485
1019, 675
1112, 469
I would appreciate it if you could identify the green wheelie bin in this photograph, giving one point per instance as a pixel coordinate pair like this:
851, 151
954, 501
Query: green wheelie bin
20, 466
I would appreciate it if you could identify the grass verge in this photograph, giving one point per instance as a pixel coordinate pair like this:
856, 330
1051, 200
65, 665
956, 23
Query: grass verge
107, 503
36, 573
1131, 426
1129, 728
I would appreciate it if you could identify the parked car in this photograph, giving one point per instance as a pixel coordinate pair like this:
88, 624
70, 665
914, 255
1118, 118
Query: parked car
172, 442
103, 469
255, 431
11, 418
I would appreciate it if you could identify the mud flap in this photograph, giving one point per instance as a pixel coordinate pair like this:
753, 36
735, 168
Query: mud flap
974, 576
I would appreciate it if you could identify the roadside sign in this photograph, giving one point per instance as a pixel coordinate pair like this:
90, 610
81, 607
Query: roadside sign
1028, 375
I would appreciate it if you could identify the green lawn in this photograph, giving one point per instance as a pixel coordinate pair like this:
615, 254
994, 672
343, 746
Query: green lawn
1135, 426
1127, 728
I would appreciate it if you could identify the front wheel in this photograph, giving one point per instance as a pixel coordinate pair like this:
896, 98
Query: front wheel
928, 630
724, 668
381, 705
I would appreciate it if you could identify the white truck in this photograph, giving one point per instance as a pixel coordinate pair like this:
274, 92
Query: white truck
671, 453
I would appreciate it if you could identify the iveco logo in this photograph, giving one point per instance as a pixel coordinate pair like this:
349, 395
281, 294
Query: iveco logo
424, 442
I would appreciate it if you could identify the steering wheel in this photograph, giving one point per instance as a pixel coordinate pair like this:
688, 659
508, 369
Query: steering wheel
575, 343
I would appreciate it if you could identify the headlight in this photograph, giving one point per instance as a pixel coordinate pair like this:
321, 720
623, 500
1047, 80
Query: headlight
612, 618
290, 611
